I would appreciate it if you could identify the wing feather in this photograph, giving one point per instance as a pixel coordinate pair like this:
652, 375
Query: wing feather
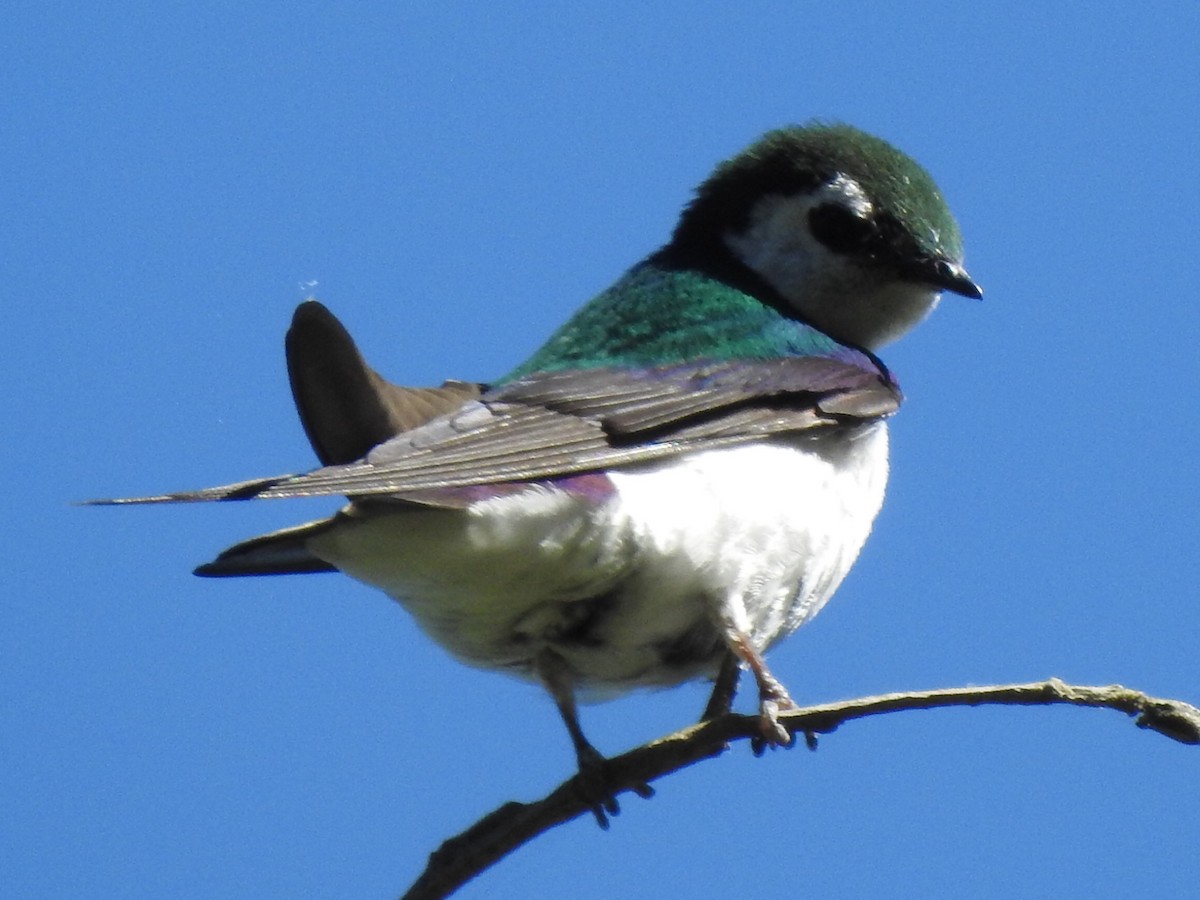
554, 424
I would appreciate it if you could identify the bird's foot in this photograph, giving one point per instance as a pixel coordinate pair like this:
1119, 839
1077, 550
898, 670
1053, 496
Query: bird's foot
773, 700
595, 787
594, 784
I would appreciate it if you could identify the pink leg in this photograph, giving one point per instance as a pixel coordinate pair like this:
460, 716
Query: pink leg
773, 697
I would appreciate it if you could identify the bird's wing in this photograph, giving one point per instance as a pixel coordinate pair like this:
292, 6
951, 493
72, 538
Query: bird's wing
556, 424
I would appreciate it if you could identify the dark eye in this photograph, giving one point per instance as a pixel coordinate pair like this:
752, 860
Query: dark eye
839, 228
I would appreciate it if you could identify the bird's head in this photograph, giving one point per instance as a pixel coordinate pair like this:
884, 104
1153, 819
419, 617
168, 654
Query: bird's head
851, 233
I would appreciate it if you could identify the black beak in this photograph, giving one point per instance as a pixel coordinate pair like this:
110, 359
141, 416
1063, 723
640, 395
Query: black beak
950, 277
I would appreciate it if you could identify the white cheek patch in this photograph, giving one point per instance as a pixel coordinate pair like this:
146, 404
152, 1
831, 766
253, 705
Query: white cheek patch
843, 296
777, 243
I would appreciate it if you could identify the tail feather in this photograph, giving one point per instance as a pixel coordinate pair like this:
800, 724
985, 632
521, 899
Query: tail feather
346, 408
283, 552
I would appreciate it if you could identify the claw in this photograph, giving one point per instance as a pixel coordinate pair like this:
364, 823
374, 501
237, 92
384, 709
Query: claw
773, 731
592, 785
595, 788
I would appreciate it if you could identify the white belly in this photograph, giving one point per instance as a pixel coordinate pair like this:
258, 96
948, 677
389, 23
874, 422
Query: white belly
635, 590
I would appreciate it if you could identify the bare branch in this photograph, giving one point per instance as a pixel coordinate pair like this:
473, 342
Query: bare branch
505, 829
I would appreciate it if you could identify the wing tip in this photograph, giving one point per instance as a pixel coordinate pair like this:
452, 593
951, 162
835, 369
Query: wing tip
130, 501
241, 490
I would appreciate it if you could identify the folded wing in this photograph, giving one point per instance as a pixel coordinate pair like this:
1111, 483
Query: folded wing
574, 421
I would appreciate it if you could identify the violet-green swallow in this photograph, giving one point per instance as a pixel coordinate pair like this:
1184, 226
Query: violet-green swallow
686, 469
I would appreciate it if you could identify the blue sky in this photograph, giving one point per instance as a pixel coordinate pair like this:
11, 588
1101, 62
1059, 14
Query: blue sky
455, 182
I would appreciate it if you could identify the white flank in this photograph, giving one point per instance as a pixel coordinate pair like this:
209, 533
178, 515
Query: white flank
755, 537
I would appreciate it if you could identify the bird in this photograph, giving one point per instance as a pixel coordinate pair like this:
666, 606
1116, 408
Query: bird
678, 478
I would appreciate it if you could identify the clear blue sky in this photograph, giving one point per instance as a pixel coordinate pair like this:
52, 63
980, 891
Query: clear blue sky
455, 181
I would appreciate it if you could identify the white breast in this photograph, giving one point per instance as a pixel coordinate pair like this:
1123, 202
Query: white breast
767, 531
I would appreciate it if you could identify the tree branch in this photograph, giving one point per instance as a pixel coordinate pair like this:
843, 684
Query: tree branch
510, 826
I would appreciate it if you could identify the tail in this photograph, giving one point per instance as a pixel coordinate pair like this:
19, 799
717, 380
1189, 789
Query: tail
283, 552
346, 408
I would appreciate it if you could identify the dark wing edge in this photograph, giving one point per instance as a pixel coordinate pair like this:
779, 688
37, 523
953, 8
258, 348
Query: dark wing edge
239, 490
